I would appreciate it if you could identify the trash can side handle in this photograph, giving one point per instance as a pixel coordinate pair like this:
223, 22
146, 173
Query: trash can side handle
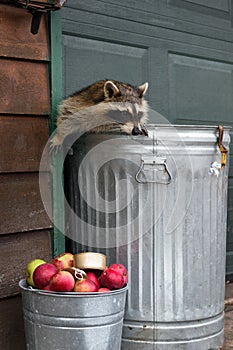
153, 161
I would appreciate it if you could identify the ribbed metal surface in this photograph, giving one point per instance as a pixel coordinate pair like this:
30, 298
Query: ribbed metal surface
175, 250
59, 321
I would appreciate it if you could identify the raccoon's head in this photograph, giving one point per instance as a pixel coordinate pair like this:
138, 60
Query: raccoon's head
132, 107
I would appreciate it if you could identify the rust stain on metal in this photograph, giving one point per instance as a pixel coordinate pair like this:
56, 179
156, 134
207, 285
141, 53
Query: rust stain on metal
223, 149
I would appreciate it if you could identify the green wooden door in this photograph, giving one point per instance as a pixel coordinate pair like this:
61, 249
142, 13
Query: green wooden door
183, 48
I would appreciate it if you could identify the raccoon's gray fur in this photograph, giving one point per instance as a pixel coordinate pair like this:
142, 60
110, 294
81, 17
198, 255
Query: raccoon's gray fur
103, 106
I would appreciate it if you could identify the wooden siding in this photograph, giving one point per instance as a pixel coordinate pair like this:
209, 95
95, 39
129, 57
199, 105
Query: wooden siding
16, 249
11, 324
16, 41
24, 114
21, 206
24, 87
19, 151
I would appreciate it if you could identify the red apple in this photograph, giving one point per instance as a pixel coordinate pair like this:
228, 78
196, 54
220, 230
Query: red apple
43, 273
62, 281
104, 290
122, 269
30, 268
92, 276
63, 261
111, 279
85, 285
47, 288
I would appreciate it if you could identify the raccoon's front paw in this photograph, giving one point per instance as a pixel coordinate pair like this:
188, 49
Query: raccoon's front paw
55, 144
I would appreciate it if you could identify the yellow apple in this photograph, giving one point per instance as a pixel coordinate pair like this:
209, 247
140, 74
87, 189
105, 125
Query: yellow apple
30, 268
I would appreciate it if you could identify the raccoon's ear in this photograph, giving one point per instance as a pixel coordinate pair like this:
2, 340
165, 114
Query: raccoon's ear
110, 89
142, 89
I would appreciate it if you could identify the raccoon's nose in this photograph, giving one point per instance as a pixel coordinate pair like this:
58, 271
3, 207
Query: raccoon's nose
136, 131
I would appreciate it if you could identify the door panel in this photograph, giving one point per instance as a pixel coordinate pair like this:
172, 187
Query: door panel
99, 60
200, 89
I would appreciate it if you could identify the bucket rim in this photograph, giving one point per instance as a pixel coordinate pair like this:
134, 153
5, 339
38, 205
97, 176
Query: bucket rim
26, 288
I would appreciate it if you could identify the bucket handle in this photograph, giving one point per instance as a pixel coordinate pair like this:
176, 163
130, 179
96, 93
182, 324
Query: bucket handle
154, 161
223, 150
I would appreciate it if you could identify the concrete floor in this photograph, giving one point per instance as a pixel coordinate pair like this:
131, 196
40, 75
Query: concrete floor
228, 345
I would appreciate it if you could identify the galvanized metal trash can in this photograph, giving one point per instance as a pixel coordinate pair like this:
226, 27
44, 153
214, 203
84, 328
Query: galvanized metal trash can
59, 321
169, 229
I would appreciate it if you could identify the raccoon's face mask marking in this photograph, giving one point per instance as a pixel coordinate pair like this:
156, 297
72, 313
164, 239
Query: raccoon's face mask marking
103, 106
131, 116
131, 110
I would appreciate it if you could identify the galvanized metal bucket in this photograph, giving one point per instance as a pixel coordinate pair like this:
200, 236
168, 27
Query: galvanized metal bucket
171, 233
59, 321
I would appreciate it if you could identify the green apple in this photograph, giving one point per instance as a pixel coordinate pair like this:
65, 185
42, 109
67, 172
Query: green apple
30, 268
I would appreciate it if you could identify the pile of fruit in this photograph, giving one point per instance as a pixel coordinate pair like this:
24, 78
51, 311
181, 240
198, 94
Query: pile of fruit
60, 275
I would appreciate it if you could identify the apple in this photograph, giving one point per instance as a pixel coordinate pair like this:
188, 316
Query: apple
122, 269
63, 261
92, 276
47, 288
85, 285
62, 281
111, 279
30, 268
104, 290
43, 273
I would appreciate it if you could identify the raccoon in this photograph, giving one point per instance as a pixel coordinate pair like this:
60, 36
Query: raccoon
106, 105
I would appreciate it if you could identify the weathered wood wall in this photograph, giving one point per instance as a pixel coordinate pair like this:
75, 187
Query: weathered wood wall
24, 111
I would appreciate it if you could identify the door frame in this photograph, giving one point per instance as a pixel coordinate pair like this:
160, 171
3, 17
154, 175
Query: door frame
57, 236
